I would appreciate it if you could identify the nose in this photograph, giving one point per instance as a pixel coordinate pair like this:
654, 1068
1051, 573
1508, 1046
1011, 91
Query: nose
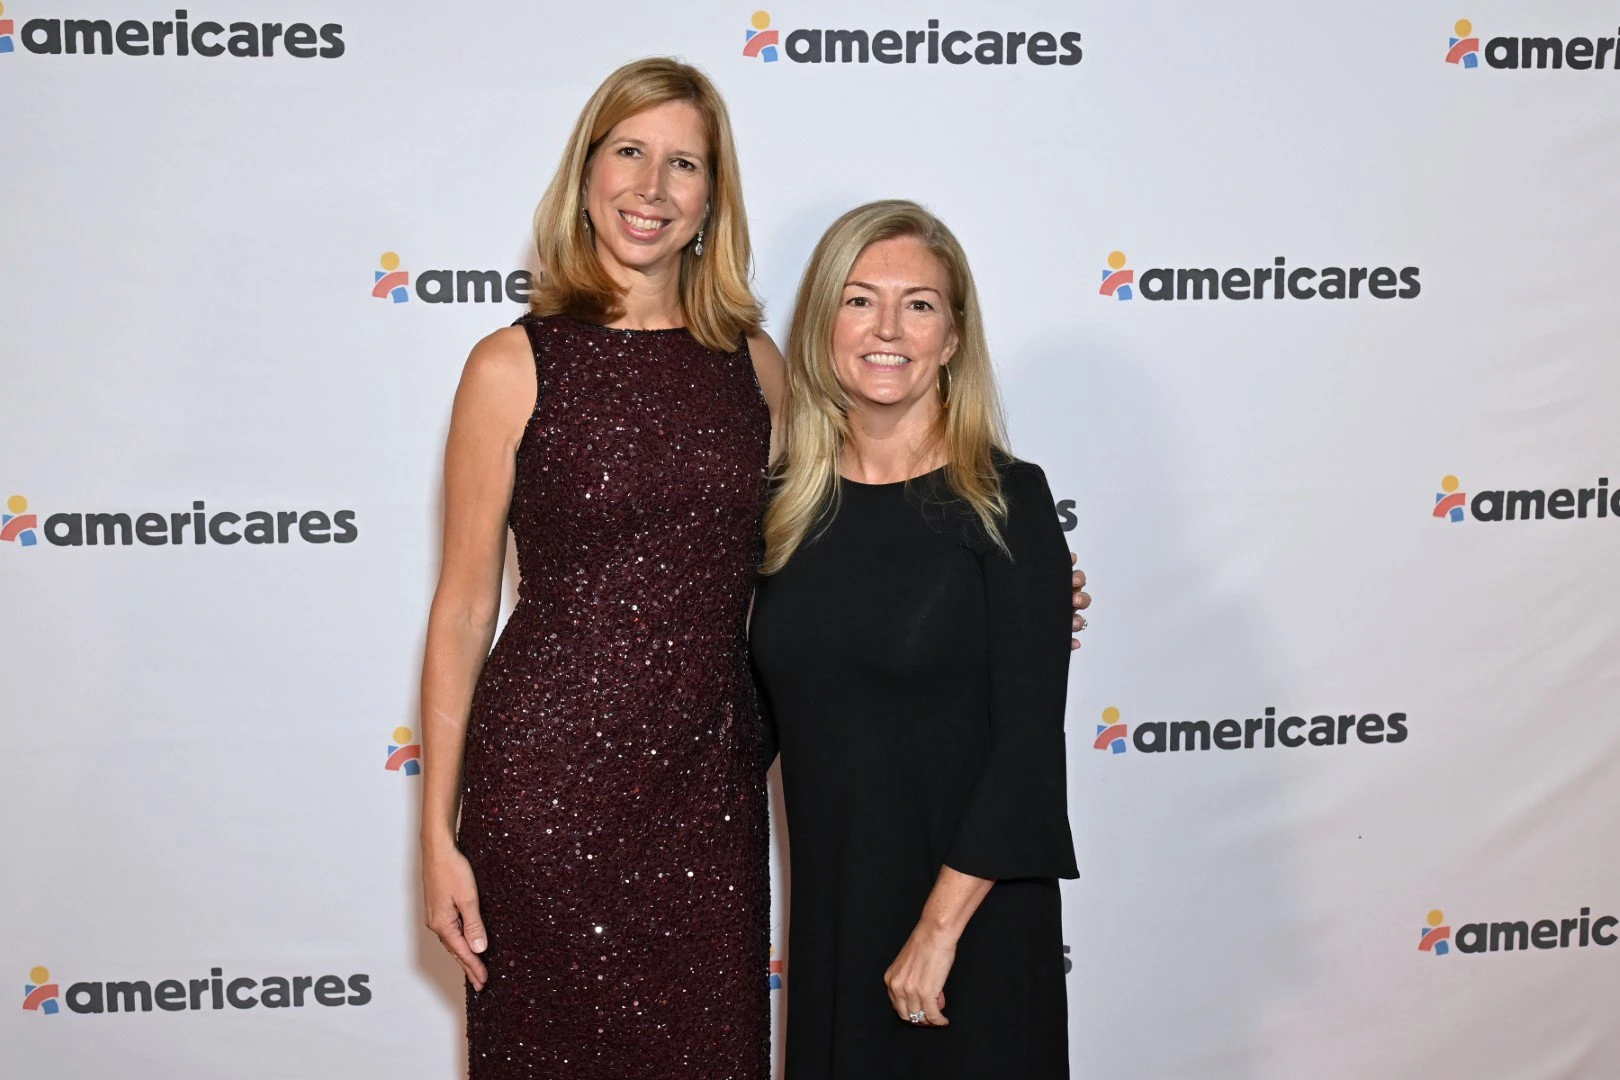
650, 182
888, 321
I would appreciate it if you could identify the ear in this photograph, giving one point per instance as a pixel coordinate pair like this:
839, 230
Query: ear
953, 341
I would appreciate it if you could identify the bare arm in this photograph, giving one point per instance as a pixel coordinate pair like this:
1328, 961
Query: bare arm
493, 403
916, 978
771, 371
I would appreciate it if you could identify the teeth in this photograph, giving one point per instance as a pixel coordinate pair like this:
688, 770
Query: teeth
641, 222
885, 359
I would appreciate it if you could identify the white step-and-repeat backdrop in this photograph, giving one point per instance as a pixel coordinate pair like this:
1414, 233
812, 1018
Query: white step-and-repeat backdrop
1307, 310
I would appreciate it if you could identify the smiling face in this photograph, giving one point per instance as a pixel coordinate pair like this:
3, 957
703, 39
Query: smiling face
894, 331
647, 187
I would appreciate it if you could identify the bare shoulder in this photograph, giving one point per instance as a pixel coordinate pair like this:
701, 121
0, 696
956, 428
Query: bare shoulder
498, 381
769, 368
503, 357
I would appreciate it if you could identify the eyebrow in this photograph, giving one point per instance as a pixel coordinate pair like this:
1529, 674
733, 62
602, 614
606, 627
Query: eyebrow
907, 292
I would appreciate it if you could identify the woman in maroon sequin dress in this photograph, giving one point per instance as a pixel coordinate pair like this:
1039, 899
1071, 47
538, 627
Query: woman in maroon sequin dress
607, 890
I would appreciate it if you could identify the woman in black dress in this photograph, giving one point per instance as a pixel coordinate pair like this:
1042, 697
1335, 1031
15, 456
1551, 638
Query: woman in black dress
911, 635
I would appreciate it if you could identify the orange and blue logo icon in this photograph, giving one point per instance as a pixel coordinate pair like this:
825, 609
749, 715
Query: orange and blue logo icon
8, 41
1436, 937
1111, 734
390, 283
776, 970
1118, 279
1464, 48
761, 41
17, 525
40, 994
404, 754
1449, 502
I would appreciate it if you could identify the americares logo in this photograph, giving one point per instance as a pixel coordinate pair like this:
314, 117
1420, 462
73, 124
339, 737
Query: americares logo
176, 37
1464, 47
1436, 936
1118, 278
1275, 282
929, 46
197, 526
1523, 53
449, 286
1521, 935
1452, 504
1111, 734
39, 993
1256, 732
404, 755
761, 41
17, 525
195, 995
1449, 503
390, 283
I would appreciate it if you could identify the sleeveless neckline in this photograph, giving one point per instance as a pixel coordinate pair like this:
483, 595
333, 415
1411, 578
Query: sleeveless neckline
626, 329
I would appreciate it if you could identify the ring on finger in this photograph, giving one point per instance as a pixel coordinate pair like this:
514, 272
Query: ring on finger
917, 1017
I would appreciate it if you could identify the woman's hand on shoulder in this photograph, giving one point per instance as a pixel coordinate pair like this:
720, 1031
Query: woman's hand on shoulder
1082, 600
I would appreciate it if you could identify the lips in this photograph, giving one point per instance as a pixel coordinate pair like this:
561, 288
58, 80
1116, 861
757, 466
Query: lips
886, 359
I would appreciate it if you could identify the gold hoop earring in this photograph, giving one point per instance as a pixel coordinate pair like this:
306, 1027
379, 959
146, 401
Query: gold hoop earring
945, 390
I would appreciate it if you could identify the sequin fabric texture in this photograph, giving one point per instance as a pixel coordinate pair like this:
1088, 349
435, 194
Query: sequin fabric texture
613, 806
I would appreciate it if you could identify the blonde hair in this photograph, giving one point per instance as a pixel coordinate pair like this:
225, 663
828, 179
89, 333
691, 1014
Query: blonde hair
718, 304
817, 404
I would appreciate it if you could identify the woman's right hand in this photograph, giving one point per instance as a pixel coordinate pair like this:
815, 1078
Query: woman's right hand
452, 910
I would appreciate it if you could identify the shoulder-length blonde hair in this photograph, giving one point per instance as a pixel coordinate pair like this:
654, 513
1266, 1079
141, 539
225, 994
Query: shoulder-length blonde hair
716, 299
817, 412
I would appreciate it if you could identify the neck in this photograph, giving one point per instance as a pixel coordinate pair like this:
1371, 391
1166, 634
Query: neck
887, 445
652, 294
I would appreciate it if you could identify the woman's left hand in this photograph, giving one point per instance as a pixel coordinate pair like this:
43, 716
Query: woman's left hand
916, 979
1082, 599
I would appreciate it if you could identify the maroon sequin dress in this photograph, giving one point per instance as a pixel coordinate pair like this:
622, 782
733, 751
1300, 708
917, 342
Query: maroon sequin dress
613, 805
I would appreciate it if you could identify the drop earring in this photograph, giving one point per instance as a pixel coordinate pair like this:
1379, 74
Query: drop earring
697, 249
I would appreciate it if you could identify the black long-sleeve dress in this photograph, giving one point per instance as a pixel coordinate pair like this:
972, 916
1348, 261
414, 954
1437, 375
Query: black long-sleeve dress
915, 676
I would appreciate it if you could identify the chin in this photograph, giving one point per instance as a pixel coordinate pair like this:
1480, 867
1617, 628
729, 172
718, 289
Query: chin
883, 401
639, 258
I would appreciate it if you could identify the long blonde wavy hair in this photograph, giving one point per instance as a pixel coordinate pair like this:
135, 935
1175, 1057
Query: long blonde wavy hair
717, 301
817, 404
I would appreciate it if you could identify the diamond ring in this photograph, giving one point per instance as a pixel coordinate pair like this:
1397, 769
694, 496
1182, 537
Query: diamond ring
917, 1017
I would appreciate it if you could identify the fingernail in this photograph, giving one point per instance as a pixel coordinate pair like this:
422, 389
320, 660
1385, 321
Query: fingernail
479, 945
